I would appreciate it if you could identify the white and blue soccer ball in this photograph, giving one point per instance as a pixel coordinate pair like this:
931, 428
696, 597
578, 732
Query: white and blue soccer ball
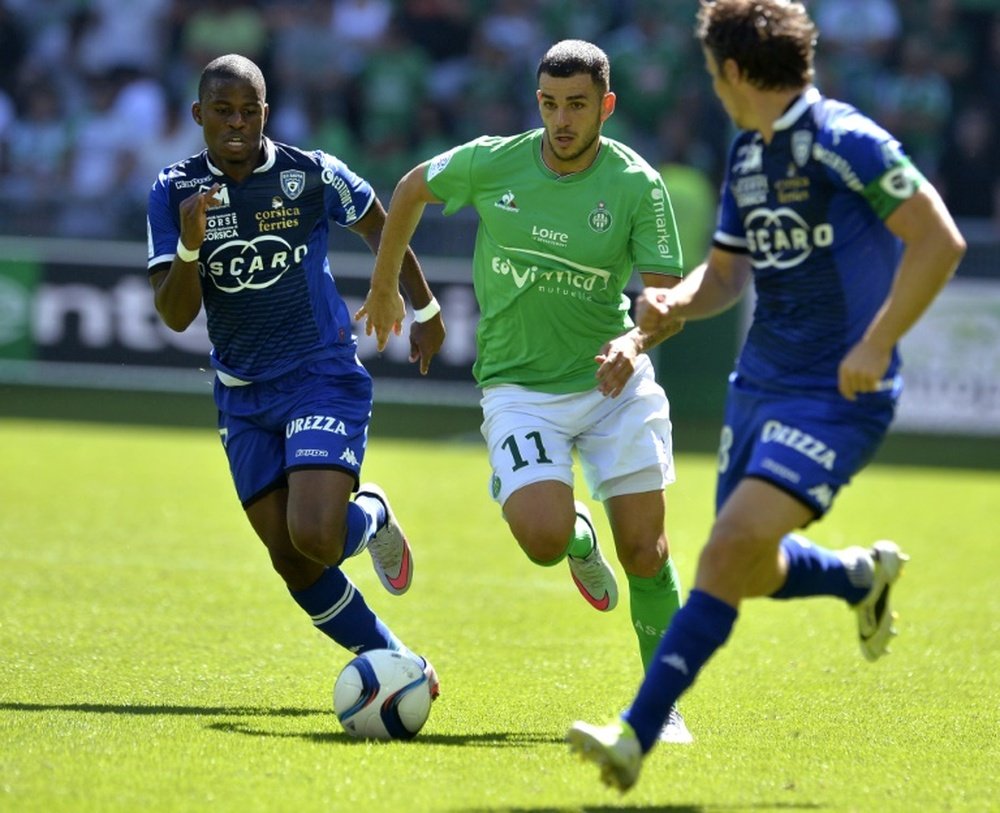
382, 695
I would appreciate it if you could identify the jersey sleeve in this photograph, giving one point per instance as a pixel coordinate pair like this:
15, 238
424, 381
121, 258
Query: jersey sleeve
162, 229
730, 235
348, 196
655, 242
863, 157
449, 175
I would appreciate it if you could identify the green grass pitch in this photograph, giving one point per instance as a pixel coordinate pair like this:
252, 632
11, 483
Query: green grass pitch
151, 661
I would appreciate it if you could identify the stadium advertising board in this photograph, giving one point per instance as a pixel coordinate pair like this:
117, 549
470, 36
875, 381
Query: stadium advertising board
80, 314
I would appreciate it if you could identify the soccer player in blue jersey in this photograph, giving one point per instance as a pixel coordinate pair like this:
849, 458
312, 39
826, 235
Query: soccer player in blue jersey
847, 245
243, 228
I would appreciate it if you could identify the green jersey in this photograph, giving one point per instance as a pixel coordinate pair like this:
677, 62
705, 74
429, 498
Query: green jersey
554, 253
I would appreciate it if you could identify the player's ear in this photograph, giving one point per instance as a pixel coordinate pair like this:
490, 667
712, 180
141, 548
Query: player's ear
196, 112
265, 112
731, 71
608, 105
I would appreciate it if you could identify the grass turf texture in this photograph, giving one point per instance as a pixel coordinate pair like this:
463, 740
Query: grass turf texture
152, 661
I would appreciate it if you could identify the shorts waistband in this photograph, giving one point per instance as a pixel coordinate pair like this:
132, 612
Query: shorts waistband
231, 380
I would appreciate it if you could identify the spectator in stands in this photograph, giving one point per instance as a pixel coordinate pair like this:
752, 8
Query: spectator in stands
914, 103
969, 173
37, 144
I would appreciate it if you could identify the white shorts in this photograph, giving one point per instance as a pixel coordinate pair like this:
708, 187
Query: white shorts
623, 443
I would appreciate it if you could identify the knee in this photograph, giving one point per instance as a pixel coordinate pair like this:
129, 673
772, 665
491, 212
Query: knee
318, 538
297, 571
544, 542
644, 558
734, 554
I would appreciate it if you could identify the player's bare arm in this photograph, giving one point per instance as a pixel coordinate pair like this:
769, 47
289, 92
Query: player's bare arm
177, 289
383, 309
933, 247
616, 361
426, 337
712, 287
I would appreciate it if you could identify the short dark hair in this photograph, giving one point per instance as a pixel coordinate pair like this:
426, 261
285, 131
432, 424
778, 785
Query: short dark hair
229, 67
772, 41
570, 57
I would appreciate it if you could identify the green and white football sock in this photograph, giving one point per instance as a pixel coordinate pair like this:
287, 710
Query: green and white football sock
653, 602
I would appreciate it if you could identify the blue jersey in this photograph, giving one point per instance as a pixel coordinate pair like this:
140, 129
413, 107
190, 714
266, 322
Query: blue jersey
269, 295
808, 209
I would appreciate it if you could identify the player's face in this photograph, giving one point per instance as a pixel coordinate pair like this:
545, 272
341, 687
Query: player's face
724, 90
232, 116
573, 110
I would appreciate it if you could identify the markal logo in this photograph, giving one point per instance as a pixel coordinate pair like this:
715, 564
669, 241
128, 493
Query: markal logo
507, 202
600, 219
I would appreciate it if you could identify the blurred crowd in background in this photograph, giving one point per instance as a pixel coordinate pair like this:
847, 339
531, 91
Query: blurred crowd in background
95, 95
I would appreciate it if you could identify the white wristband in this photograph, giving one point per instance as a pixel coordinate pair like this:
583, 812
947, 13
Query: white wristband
186, 254
427, 312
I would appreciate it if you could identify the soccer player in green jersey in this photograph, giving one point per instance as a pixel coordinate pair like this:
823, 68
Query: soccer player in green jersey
566, 216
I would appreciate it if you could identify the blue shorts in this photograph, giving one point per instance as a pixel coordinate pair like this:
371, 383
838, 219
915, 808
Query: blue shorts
808, 445
313, 417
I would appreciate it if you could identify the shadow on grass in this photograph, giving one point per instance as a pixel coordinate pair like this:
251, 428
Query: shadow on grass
643, 808
193, 711
496, 739
482, 739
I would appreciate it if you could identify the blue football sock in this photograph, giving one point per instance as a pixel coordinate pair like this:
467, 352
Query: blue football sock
697, 630
365, 516
338, 609
815, 571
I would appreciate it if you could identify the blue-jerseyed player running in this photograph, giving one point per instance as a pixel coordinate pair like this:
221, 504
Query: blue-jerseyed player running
847, 245
243, 228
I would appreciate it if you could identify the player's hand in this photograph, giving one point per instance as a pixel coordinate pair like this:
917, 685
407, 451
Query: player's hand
863, 369
615, 365
653, 312
426, 339
194, 218
383, 312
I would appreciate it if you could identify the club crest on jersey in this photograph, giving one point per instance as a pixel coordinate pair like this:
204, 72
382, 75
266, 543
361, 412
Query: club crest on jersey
293, 181
600, 219
801, 146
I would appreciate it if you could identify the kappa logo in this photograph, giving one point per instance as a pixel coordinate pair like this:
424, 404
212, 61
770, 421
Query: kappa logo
823, 494
676, 661
350, 458
749, 158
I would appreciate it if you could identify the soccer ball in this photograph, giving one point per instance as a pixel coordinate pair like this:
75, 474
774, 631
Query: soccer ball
382, 695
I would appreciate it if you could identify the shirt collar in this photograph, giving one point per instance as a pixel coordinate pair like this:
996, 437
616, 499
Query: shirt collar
269, 156
794, 112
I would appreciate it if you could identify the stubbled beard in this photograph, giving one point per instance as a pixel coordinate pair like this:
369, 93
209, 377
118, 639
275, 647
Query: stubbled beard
575, 155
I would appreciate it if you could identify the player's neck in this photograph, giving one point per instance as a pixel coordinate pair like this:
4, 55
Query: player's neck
578, 164
769, 106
